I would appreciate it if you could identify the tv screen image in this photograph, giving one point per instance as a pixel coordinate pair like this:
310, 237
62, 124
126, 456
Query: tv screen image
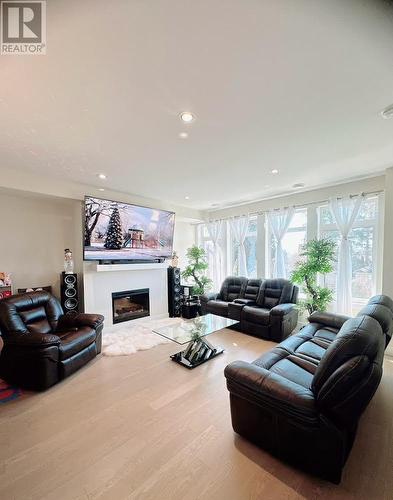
120, 231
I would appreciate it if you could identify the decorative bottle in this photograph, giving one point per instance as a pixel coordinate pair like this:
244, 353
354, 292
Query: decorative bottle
68, 262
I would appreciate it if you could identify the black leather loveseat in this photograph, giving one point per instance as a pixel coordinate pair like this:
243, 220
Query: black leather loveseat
264, 308
302, 400
41, 344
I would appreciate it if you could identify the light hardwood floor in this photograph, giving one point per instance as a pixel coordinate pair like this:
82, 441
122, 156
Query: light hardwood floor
142, 427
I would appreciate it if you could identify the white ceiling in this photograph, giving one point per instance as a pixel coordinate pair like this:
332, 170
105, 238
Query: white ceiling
293, 85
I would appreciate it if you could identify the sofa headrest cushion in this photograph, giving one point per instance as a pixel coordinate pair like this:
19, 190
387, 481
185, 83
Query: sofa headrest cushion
360, 336
382, 300
251, 289
20, 313
274, 292
232, 287
381, 313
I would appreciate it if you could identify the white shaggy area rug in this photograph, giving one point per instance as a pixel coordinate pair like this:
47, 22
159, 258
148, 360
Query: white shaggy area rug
133, 337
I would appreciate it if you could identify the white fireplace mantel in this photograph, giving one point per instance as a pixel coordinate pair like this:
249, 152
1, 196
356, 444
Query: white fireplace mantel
100, 281
100, 268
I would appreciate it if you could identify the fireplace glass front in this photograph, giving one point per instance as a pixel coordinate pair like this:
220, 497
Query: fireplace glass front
130, 304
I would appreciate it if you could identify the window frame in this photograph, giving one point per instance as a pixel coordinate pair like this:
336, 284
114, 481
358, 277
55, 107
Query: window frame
375, 225
313, 229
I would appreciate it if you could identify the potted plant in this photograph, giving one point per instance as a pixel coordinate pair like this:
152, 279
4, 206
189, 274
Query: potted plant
196, 270
317, 257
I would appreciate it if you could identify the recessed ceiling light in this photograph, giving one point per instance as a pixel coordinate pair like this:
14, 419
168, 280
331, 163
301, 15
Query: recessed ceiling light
274, 171
101, 189
183, 135
298, 185
186, 197
187, 117
387, 113
101, 176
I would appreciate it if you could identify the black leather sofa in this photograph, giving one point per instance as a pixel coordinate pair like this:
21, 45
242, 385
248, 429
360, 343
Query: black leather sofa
264, 308
42, 345
302, 400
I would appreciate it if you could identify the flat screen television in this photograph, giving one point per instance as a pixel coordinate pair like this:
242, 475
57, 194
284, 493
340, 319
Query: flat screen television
115, 231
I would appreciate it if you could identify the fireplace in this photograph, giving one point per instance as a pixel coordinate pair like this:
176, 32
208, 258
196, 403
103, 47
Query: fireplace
130, 304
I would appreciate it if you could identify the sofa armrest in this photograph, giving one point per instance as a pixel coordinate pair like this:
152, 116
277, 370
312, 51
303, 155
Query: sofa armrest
245, 302
32, 340
208, 296
283, 309
271, 390
68, 322
328, 319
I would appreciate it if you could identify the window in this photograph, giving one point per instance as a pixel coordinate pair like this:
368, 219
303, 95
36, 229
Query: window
291, 243
206, 243
250, 244
204, 240
260, 246
363, 239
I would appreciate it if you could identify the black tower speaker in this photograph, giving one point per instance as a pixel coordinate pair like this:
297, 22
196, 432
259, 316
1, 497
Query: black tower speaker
69, 293
174, 292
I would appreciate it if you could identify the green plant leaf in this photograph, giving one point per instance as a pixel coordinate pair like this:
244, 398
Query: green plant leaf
317, 257
196, 270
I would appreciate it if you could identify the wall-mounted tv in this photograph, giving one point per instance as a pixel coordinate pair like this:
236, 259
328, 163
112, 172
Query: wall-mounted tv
115, 231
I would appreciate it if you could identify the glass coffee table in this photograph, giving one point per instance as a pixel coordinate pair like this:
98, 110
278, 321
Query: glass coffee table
194, 332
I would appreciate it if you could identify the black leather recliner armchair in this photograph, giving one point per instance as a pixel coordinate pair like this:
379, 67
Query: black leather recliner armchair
274, 315
302, 400
41, 344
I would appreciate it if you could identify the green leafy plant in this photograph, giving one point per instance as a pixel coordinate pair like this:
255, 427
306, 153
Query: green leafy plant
196, 270
317, 257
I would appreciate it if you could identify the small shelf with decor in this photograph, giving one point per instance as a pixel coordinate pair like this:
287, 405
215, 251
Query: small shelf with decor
5, 291
5, 285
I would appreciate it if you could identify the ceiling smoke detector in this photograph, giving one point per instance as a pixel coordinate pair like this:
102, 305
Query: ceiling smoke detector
387, 113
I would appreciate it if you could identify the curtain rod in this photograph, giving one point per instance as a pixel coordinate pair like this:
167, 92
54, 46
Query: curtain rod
301, 205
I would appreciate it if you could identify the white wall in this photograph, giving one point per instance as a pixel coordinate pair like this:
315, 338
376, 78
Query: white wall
387, 275
303, 197
35, 230
62, 188
184, 238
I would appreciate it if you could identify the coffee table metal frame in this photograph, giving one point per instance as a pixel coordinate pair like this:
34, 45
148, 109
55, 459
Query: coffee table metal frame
194, 332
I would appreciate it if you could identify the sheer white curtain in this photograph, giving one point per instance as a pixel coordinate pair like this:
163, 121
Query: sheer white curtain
279, 221
344, 211
215, 229
239, 226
